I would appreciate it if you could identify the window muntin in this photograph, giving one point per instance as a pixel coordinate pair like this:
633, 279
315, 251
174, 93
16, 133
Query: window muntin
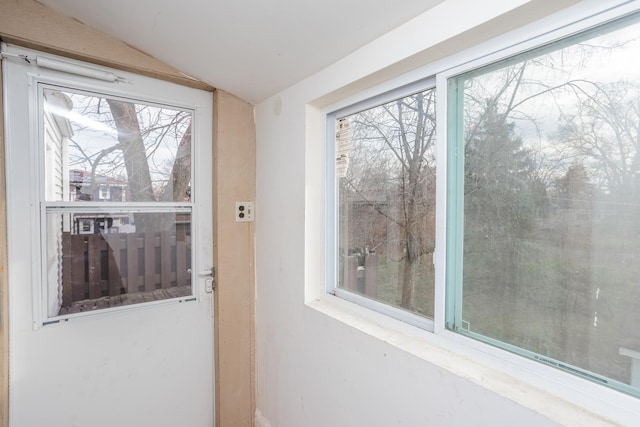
385, 173
98, 151
543, 205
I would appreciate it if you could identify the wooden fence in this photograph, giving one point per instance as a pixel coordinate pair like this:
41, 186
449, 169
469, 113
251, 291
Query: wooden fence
99, 265
362, 279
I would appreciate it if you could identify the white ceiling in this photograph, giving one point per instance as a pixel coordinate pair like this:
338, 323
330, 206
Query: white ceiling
251, 48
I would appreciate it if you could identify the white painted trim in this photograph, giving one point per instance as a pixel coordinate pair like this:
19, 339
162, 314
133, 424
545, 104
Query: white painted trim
261, 420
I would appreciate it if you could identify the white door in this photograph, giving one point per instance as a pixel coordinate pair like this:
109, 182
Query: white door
110, 232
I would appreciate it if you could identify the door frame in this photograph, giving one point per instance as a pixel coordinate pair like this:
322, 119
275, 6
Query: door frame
4, 296
102, 354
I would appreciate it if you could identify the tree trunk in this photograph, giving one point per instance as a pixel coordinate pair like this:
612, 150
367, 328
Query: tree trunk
135, 158
180, 178
134, 154
412, 233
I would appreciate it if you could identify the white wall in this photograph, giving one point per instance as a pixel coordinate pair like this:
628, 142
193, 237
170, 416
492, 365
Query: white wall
321, 362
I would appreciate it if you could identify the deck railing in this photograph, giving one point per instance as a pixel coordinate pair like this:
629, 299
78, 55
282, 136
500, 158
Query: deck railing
99, 265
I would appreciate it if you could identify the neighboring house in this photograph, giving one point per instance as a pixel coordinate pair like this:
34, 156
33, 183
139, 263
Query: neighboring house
57, 132
106, 224
97, 188
85, 187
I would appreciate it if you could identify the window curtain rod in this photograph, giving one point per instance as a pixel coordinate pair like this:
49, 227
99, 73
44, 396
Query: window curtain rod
67, 67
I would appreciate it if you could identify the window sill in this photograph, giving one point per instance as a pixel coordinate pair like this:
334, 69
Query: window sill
563, 398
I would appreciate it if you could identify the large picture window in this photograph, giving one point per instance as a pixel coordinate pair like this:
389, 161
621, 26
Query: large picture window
539, 179
544, 205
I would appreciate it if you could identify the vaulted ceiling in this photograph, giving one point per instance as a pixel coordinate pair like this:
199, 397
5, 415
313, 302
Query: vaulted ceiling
251, 48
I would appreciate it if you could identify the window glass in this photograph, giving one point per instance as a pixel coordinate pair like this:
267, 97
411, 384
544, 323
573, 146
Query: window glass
108, 150
98, 151
98, 260
545, 205
385, 168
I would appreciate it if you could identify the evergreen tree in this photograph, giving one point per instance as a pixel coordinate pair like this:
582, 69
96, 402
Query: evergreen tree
499, 210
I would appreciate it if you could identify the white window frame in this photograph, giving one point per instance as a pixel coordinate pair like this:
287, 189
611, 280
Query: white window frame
333, 231
574, 389
104, 192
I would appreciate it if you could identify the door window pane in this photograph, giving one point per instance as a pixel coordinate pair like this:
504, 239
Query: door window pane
551, 205
104, 150
386, 173
98, 260
108, 150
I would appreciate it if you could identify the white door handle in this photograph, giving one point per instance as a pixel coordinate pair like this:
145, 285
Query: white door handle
210, 282
210, 272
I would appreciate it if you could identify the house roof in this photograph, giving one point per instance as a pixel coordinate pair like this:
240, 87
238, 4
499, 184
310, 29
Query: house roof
82, 177
251, 48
